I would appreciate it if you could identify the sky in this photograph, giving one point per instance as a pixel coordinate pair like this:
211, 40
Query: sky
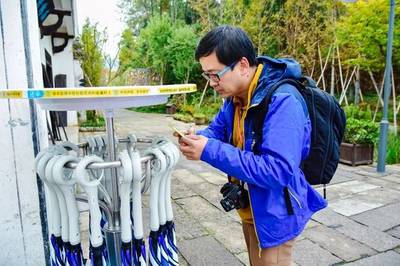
107, 14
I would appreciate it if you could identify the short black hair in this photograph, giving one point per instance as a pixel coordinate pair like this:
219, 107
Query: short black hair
229, 43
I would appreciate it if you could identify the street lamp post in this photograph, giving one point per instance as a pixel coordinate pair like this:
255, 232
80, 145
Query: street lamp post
384, 125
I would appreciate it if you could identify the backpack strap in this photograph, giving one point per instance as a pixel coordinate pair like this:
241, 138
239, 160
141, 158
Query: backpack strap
260, 114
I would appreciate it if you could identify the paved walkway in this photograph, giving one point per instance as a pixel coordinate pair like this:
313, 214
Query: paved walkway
361, 226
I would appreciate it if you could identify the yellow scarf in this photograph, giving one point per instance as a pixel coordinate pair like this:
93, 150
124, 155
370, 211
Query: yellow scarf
238, 132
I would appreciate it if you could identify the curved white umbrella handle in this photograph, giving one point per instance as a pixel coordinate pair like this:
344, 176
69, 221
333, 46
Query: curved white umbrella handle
125, 192
82, 176
63, 177
136, 194
60, 198
158, 168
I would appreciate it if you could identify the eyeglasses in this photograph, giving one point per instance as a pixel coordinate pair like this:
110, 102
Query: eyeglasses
216, 77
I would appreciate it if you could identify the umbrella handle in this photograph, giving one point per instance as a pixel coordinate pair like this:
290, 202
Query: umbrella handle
81, 175
158, 169
136, 194
125, 191
168, 204
53, 211
60, 198
68, 189
162, 204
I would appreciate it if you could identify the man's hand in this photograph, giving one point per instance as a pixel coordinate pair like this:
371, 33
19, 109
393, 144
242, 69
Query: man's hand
192, 146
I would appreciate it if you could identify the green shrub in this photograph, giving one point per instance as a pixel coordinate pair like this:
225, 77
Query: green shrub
362, 111
393, 149
360, 131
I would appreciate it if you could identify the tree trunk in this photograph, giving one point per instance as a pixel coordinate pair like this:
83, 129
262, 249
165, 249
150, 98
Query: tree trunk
357, 87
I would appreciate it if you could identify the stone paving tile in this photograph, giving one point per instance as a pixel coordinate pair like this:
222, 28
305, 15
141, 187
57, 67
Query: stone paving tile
345, 189
186, 226
306, 253
383, 218
348, 168
244, 258
392, 178
180, 190
227, 232
338, 244
367, 235
213, 178
352, 206
349, 174
394, 232
200, 208
187, 177
389, 258
205, 251
370, 173
209, 192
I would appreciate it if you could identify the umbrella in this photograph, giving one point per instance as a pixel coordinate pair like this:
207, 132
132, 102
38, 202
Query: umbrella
53, 212
139, 248
98, 250
173, 154
157, 171
166, 256
63, 178
61, 203
125, 181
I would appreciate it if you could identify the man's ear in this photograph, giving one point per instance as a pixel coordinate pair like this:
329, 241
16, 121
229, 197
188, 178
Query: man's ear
244, 66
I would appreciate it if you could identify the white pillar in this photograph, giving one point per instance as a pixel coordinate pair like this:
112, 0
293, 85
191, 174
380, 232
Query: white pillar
21, 239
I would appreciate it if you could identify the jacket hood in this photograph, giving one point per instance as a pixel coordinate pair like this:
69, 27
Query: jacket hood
273, 71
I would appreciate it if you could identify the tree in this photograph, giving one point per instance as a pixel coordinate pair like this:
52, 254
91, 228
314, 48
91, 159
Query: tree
362, 34
153, 41
300, 26
88, 50
181, 47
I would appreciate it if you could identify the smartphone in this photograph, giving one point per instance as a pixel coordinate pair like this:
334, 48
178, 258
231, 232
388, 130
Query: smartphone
180, 133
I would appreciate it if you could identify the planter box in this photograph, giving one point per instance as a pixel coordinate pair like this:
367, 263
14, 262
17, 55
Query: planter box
356, 154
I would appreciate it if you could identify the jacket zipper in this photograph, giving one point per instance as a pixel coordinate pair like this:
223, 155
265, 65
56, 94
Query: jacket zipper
295, 198
251, 207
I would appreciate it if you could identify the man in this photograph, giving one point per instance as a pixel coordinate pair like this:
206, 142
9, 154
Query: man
227, 57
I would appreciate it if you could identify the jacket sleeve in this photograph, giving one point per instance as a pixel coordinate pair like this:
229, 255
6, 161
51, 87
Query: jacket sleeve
217, 128
284, 133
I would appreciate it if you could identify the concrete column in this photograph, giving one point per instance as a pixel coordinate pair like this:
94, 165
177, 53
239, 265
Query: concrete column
22, 131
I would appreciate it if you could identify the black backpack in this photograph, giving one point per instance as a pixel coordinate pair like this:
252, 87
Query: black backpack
328, 122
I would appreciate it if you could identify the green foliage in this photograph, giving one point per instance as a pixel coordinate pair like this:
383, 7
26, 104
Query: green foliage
393, 149
93, 121
354, 111
181, 46
88, 50
300, 26
154, 42
158, 109
362, 34
360, 131
129, 57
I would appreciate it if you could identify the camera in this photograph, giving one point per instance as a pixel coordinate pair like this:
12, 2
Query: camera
234, 197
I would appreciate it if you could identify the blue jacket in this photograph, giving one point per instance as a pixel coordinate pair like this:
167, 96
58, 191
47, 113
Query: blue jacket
285, 143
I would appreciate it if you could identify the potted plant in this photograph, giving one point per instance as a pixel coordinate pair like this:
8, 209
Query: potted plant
199, 118
358, 143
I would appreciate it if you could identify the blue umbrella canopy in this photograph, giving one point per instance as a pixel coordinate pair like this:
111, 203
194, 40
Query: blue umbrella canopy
98, 255
74, 255
126, 254
57, 251
154, 249
139, 252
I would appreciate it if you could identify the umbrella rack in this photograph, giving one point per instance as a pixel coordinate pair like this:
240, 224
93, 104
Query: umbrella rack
64, 99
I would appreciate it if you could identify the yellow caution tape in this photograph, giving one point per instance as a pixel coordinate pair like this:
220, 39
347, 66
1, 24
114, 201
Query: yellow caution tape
89, 92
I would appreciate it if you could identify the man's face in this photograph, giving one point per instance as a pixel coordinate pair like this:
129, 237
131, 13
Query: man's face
227, 84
